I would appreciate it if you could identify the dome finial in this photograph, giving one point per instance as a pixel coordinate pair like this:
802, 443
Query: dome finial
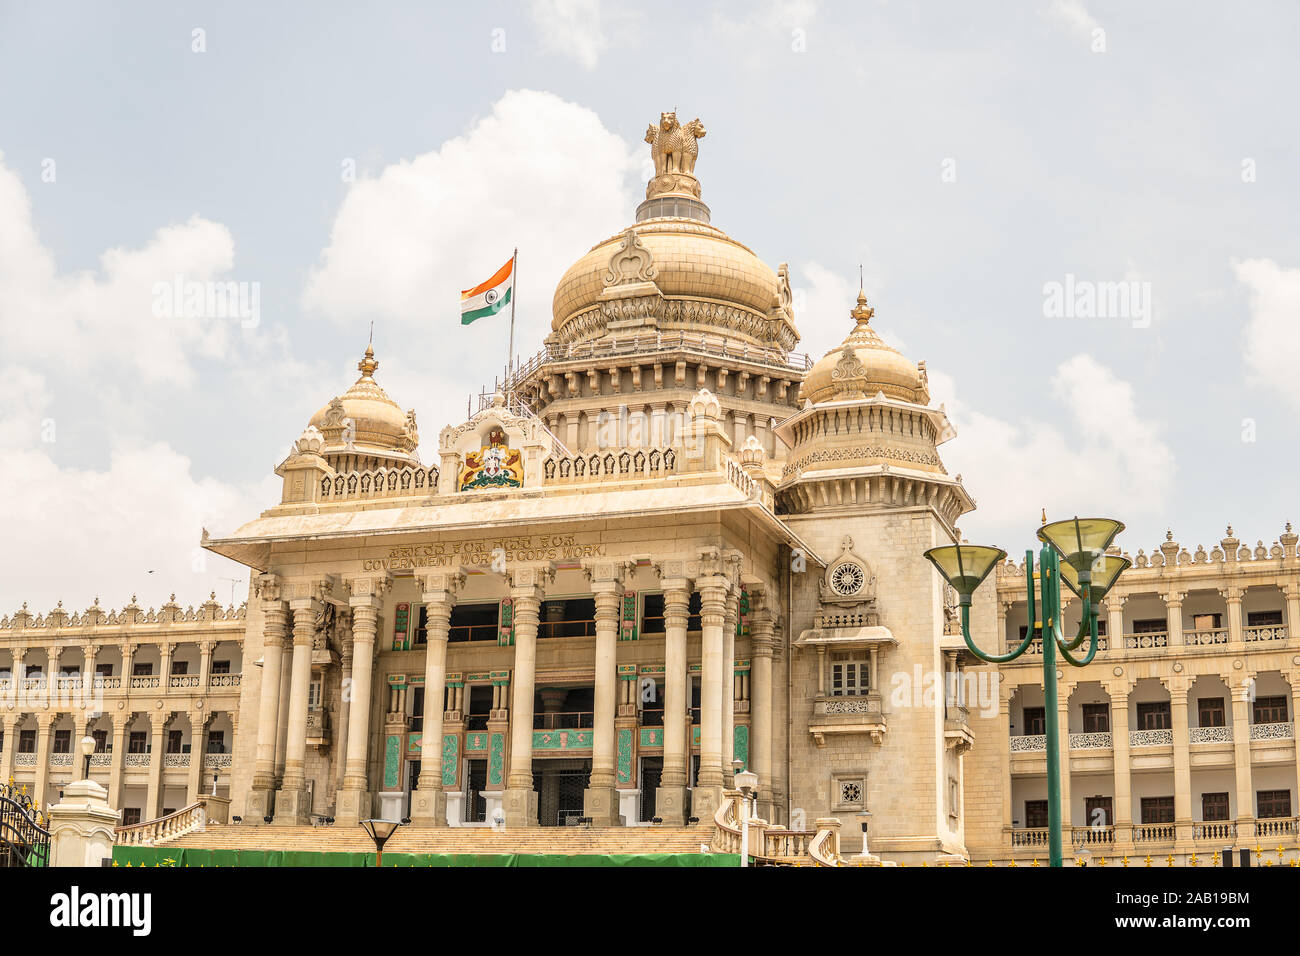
368, 364
863, 313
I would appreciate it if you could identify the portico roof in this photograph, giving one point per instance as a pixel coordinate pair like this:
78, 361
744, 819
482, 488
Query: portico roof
251, 544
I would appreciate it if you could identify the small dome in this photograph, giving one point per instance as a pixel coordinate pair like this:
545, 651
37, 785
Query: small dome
378, 427
864, 365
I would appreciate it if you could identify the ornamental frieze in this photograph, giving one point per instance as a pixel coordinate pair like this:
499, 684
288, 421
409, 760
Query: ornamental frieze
486, 551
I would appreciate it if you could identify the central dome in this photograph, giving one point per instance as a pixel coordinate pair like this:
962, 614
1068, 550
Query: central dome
673, 271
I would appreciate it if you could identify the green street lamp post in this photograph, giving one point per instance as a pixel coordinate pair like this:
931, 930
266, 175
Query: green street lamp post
1088, 571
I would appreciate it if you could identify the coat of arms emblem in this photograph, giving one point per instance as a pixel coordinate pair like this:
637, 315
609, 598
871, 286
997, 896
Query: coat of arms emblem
495, 465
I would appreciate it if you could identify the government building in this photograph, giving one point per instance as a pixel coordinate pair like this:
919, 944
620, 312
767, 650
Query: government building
664, 550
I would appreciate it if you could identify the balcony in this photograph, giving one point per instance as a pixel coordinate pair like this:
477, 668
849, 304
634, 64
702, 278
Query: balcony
1214, 831
136, 760
1210, 735
1206, 637
145, 683
1029, 836
25, 760
174, 761
1276, 827
1029, 743
1153, 833
107, 683
218, 761
1093, 836
1271, 632
60, 760
318, 727
1280, 731
181, 681
1091, 741
1147, 640
847, 715
219, 681
103, 759
1150, 738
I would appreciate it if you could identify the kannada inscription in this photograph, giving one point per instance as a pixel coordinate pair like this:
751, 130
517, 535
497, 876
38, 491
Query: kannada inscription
483, 552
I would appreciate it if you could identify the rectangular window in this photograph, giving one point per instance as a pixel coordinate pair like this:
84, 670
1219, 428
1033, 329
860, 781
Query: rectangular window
137, 743
1098, 812
27, 741
34, 670
1096, 718
101, 740
1214, 807
216, 741
474, 622
1035, 813
571, 617
141, 670
1157, 809
1270, 710
1154, 715
1035, 721
313, 695
221, 667
417, 711
1263, 618
63, 741
480, 706
850, 678
130, 816
104, 670
180, 668
1273, 804
421, 637
1150, 625
173, 741
1210, 712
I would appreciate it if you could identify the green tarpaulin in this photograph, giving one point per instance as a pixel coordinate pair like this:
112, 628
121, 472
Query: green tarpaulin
189, 856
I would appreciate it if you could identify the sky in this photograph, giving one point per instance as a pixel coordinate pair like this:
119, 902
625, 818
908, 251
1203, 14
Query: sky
1079, 214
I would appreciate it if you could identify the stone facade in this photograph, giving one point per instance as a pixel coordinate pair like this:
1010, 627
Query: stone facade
666, 548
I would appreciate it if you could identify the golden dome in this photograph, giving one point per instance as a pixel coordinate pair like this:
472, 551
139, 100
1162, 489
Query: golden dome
864, 365
365, 422
684, 266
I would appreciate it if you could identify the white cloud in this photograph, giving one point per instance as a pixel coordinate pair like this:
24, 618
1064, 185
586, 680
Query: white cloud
1073, 14
104, 319
573, 28
1272, 335
1100, 456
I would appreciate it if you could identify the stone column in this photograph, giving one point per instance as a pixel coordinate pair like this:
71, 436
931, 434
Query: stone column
292, 803
165, 680
90, 652
429, 803
707, 795
1063, 718
120, 720
10, 723
345, 711
600, 801
1293, 679
1004, 760
1232, 596
44, 722
354, 799
1292, 593
274, 625
205, 665
670, 799
729, 628
1173, 616
528, 588
1241, 699
760, 745
1119, 691
1182, 766
1114, 604
198, 739
158, 734
282, 709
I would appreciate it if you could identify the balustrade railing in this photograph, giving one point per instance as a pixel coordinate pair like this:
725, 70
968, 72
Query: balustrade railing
218, 761
183, 680
145, 683
1284, 730
24, 760
1146, 640
1270, 632
61, 760
1206, 637
1090, 741
173, 761
224, 680
1275, 826
1209, 735
1153, 833
1029, 836
1093, 836
136, 760
163, 829
1150, 738
1029, 743
412, 480
1214, 831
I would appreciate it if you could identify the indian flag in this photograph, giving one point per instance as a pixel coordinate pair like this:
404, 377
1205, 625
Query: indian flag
488, 297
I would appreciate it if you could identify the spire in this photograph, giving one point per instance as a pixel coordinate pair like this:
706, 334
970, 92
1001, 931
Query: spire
863, 313
368, 364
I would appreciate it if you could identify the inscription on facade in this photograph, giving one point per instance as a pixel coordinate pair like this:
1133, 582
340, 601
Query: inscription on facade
483, 552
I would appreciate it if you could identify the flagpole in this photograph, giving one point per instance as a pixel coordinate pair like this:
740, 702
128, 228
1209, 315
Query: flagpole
514, 277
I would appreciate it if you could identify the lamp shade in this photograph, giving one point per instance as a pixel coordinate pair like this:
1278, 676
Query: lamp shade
1080, 541
87, 745
964, 566
1105, 571
380, 830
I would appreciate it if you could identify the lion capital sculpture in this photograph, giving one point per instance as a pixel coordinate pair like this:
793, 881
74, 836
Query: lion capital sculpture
673, 146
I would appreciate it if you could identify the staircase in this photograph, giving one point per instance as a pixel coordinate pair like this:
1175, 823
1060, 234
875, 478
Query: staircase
567, 841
